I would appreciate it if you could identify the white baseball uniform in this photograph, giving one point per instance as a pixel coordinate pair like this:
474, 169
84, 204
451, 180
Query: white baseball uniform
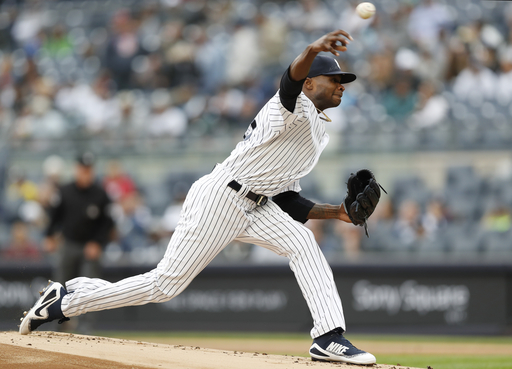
278, 149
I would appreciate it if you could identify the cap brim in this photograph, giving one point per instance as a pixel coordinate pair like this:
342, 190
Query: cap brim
345, 77
87, 165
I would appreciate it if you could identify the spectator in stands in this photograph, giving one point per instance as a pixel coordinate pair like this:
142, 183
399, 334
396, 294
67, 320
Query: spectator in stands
44, 122
117, 182
497, 219
456, 60
20, 188
400, 100
133, 222
381, 71
315, 16
350, 239
6, 119
488, 40
6, 79
27, 24
269, 25
53, 170
434, 219
244, 58
57, 44
407, 228
133, 113
7, 42
430, 66
102, 113
327, 240
21, 199
431, 108
233, 105
426, 22
171, 215
180, 56
166, 120
123, 46
20, 246
211, 69
92, 105
475, 80
384, 213
504, 88
150, 73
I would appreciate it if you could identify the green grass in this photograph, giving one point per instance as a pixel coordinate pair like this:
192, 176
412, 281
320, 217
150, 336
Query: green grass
448, 362
504, 340
473, 361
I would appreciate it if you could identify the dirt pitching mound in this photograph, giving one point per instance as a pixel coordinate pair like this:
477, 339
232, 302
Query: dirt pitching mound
50, 350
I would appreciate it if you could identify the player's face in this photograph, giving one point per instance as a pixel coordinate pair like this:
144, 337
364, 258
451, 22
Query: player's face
84, 175
327, 91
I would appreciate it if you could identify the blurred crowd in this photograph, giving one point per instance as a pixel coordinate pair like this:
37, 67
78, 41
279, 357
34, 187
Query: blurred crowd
132, 71
469, 217
432, 74
27, 204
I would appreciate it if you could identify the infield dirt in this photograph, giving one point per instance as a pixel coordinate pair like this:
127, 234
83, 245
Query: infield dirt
50, 350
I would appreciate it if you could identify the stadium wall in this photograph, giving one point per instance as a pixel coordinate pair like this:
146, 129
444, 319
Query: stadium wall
434, 299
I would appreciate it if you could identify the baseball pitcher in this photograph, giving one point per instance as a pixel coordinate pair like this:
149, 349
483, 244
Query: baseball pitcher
253, 196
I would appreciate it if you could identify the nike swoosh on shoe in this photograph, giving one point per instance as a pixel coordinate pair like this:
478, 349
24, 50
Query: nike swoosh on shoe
50, 299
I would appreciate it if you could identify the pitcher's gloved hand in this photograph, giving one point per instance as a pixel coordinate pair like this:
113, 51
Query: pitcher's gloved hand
363, 195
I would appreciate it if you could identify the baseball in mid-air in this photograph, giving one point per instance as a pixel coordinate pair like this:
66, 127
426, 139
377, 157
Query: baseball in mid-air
365, 10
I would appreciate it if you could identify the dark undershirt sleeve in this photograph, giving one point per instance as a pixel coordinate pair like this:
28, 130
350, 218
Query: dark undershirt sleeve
294, 204
289, 90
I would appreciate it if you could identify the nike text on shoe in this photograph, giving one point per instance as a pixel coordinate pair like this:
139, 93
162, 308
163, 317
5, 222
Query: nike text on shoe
46, 309
332, 346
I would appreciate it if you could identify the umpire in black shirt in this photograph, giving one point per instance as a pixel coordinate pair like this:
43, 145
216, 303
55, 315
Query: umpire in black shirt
80, 213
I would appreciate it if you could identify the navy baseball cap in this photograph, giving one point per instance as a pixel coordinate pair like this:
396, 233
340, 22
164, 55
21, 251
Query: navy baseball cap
325, 66
86, 159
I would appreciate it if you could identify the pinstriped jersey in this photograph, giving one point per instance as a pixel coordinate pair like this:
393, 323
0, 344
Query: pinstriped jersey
279, 147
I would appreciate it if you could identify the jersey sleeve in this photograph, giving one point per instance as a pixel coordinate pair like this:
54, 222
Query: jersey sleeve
289, 90
294, 204
283, 111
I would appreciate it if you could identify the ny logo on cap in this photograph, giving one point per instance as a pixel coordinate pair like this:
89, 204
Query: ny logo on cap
335, 66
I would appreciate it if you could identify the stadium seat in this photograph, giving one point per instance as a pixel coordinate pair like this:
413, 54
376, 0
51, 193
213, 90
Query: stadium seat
464, 238
493, 242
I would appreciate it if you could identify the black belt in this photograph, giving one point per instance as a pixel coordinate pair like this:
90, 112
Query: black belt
260, 200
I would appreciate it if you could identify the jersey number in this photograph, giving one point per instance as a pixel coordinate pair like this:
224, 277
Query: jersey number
250, 130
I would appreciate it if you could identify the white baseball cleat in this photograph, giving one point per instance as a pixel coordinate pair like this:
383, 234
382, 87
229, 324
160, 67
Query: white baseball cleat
46, 309
332, 346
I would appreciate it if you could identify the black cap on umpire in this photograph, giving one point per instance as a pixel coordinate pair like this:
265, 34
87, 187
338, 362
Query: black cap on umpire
86, 159
326, 66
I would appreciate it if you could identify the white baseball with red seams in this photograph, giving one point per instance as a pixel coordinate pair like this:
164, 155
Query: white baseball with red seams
365, 10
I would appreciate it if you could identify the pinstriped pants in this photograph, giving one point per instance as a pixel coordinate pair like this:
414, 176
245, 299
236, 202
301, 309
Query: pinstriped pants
213, 215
